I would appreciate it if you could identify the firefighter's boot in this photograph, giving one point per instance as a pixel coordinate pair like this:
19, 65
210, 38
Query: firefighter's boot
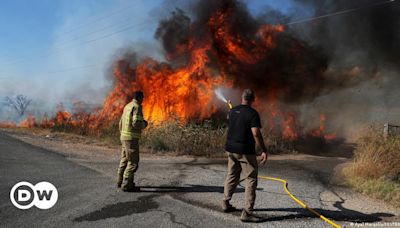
129, 186
120, 179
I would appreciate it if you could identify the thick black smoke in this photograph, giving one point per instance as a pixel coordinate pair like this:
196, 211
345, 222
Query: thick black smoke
370, 34
365, 40
305, 63
311, 59
173, 32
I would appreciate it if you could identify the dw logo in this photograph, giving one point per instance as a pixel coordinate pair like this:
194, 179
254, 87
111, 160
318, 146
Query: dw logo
43, 195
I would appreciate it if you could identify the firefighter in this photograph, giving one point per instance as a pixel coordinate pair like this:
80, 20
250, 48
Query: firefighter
130, 127
243, 134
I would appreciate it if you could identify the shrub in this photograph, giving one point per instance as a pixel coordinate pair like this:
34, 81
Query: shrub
158, 144
376, 167
189, 139
376, 156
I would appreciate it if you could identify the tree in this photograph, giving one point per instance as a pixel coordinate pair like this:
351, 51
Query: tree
20, 103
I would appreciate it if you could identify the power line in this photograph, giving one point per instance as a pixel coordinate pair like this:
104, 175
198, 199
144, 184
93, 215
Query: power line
142, 23
91, 32
339, 12
62, 70
85, 42
72, 69
58, 45
95, 20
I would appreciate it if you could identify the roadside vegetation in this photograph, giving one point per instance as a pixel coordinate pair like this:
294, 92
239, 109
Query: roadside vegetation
198, 138
204, 139
376, 167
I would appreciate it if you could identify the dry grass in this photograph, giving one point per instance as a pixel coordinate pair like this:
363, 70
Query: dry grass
376, 167
276, 144
199, 139
190, 139
376, 156
204, 139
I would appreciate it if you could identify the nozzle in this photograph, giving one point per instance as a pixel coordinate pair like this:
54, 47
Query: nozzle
229, 104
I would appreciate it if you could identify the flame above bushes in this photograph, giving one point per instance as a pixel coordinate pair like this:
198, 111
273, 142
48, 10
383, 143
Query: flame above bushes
183, 89
223, 46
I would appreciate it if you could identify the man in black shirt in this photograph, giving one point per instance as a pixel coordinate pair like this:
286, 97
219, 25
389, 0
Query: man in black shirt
243, 134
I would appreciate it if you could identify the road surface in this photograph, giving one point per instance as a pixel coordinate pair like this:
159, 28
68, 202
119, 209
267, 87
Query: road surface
177, 192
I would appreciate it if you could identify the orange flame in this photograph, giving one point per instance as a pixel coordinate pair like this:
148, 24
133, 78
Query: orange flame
29, 122
7, 124
184, 89
320, 132
289, 130
184, 92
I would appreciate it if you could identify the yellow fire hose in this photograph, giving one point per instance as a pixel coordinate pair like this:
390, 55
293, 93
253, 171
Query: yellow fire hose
285, 186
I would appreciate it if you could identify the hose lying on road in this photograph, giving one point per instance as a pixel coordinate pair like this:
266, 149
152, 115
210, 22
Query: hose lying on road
285, 186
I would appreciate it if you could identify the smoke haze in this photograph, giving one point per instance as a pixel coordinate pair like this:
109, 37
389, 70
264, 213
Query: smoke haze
344, 67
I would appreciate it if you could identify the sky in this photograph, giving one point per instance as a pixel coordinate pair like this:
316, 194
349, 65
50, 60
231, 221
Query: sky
49, 49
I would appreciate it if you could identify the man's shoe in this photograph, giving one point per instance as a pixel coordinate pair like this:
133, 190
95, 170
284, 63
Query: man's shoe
249, 217
227, 207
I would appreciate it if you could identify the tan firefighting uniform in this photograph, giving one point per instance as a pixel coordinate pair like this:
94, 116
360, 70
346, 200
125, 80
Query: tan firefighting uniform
130, 126
248, 166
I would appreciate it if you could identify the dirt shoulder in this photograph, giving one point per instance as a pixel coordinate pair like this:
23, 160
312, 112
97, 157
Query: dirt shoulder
71, 145
326, 169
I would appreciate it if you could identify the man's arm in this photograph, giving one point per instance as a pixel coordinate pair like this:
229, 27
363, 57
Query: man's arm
137, 118
260, 142
144, 122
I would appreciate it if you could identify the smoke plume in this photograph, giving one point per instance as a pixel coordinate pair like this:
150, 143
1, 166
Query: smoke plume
301, 72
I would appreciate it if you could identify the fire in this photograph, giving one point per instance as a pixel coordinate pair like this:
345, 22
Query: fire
290, 127
320, 132
80, 121
185, 91
62, 118
29, 122
268, 34
226, 47
7, 124
46, 123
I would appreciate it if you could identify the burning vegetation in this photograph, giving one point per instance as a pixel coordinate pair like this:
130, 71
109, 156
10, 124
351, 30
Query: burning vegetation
220, 44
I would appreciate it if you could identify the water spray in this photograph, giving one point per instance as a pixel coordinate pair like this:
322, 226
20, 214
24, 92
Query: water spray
220, 96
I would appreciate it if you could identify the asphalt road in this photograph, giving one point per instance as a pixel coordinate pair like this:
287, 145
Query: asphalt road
177, 192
